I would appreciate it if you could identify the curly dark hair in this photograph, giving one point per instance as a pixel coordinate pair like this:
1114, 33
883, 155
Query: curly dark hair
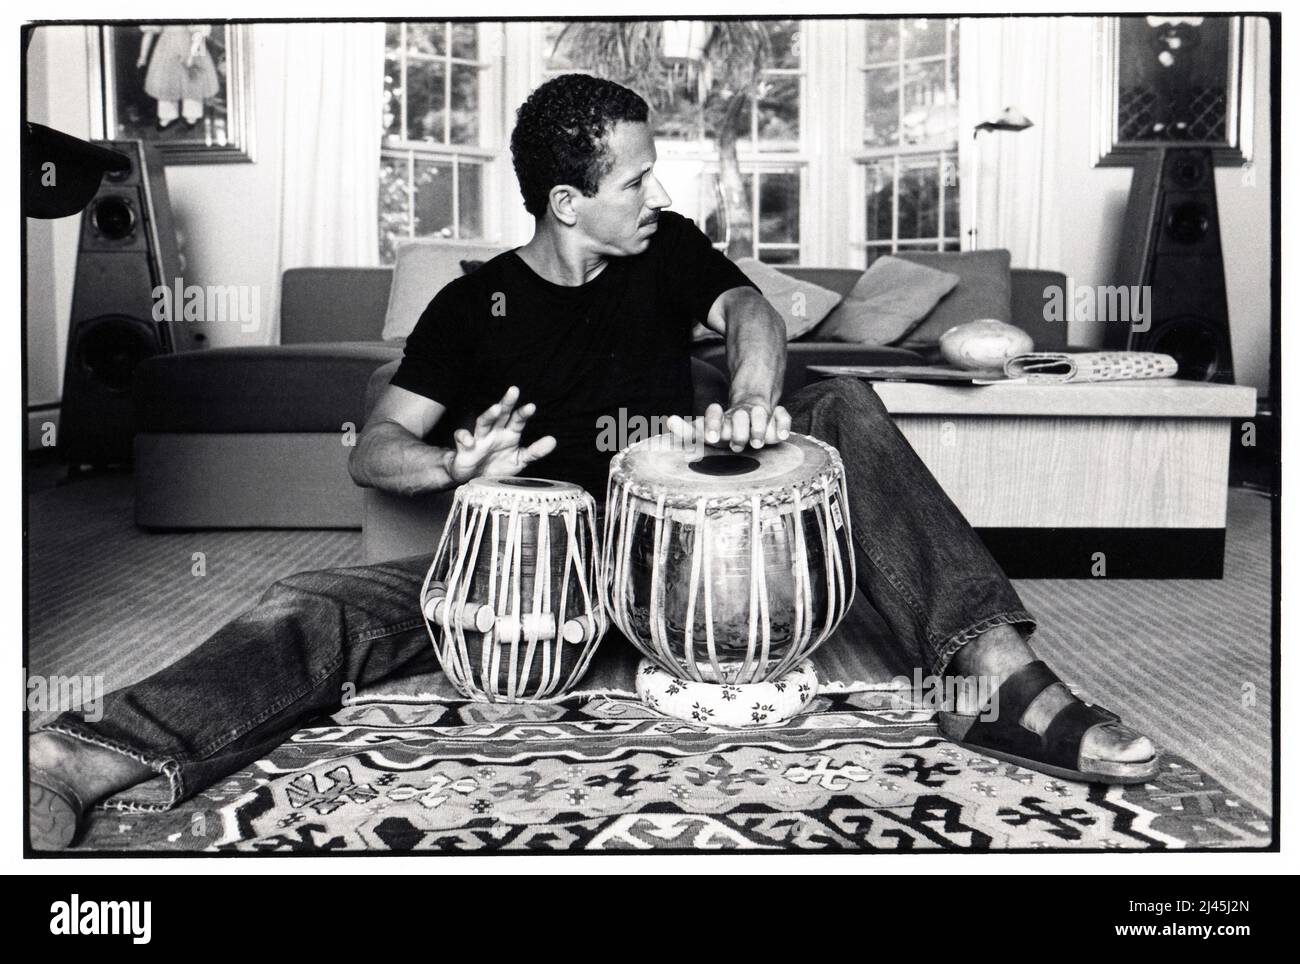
560, 134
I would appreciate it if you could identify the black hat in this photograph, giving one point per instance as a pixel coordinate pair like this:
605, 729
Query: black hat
61, 173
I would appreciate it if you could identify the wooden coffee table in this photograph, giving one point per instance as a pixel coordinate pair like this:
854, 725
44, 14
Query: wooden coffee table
1122, 479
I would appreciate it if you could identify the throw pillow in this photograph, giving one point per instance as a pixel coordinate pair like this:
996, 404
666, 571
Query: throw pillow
801, 304
891, 299
422, 268
984, 291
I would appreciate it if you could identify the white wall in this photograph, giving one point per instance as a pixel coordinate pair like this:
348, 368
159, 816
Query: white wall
1094, 200
58, 96
229, 214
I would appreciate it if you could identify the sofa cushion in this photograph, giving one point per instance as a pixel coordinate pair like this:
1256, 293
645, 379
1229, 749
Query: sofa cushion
801, 304
268, 388
984, 291
891, 299
423, 267
333, 304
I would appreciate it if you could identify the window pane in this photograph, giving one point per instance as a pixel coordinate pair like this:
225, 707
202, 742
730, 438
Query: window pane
952, 194
679, 120
464, 104
923, 38
427, 38
882, 41
786, 42
471, 200
710, 204
929, 109
778, 113
881, 129
433, 199
393, 36
464, 40
555, 59
880, 201
778, 205
918, 200
715, 225
392, 119
425, 101
394, 216
742, 121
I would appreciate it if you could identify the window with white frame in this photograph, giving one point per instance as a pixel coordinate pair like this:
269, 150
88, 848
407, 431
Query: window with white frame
769, 140
435, 147
908, 156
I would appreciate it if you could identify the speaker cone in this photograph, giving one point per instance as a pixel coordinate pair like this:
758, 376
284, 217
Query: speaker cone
1188, 222
113, 218
121, 175
1195, 345
111, 349
1187, 171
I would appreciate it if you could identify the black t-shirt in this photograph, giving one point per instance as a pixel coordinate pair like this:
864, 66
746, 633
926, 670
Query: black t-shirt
589, 356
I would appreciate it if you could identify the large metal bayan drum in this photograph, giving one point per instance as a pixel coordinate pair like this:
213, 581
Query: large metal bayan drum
727, 568
511, 599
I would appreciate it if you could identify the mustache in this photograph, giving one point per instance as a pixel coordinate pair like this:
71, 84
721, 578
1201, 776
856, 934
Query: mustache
653, 219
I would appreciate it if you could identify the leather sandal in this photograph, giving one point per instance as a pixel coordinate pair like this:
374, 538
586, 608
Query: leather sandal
1057, 750
54, 811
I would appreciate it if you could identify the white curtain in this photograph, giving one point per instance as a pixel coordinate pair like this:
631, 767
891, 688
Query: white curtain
333, 109
1013, 62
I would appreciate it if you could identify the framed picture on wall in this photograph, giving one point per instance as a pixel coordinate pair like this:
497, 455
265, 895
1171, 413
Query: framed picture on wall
1173, 82
185, 87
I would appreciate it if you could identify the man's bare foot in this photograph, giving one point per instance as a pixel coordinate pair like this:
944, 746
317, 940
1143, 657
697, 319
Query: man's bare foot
67, 775
1000, 652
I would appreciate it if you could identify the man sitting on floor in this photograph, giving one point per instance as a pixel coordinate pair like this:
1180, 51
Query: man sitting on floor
598, 312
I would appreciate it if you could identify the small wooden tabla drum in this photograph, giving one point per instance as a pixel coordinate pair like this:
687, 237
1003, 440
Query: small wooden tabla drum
511, 599
727, 568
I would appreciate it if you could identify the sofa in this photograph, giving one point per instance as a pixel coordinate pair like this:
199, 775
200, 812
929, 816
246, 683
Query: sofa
260, 436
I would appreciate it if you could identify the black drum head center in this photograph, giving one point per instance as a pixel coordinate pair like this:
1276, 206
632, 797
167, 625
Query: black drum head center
526, 483
726, 464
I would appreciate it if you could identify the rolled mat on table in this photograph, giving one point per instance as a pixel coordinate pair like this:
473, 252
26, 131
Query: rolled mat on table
1095, 366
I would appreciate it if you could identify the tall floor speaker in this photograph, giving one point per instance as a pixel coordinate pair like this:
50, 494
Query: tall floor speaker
1170, 244
127, 248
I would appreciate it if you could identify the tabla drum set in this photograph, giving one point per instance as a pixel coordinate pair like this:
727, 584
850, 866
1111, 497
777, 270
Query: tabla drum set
726, 570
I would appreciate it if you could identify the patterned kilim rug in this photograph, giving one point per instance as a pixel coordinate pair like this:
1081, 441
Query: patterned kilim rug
859, 772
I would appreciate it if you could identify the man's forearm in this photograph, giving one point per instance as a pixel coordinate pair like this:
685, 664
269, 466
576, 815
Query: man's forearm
755, 347
389, 457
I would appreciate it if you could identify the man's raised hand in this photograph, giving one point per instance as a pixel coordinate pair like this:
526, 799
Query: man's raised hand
494, 447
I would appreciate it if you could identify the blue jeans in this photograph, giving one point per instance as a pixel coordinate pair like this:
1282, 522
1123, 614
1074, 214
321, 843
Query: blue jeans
287, 660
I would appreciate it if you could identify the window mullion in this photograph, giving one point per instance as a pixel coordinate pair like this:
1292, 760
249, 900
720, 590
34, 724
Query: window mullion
893, 227
410, 194
446, 86
401, 60
940, 221
455, 197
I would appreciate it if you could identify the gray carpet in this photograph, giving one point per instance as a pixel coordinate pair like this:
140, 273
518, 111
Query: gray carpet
105, 598
1185, 661
1176, 658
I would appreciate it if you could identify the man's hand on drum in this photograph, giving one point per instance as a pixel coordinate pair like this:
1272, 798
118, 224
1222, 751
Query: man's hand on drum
751, 421
495, 446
